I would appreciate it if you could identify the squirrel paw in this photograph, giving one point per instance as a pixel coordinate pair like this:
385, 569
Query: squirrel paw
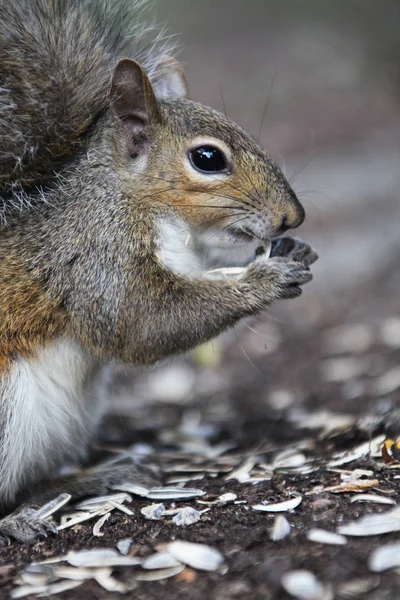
25, 526
295, 249
276, 278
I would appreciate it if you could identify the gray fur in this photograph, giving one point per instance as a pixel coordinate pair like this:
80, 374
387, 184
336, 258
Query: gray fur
57, 57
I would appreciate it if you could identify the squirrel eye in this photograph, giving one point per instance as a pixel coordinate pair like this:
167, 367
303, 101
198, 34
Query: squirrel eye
208, 159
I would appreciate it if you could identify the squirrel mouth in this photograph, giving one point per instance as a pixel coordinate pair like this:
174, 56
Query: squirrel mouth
242, 234
247, 235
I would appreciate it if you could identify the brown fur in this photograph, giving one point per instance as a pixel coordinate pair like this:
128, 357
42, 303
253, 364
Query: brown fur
29, 317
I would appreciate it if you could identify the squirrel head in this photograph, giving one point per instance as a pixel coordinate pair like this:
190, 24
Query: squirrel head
196, 161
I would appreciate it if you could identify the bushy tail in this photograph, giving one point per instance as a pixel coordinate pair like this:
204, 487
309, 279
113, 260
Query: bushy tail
56, 60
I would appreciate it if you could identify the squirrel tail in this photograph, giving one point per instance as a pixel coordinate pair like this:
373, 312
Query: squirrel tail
56, 60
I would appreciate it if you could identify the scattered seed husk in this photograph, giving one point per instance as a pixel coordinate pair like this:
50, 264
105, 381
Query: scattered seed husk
73, 519
186, 516
170, 512
162, 493
364, 449
100, 557
356, 588
326, 537
288, 459
242, 473
228, 497
121, 508
159, 574
279, 506
200, 469
99, 524
358, 485
81, 517
53, 506
99, 502
27, 590
44, 563
59, 587
375, 524
388, 383
79, 574
43, 569
304, 586
385, 557
185, 478
34, 579
138, 490
161, 560
153, 512
223, 499
197, 556
280, 529
124, 546
109, 583
373, 498
346, 475
43, 591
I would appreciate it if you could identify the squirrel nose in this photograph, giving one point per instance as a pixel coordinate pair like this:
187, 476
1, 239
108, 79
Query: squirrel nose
292, 218
284, 225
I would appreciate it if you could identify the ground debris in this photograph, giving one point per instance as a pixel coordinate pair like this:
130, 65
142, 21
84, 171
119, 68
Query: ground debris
197, 556
187, 516
374, 524
357, 485
228, 453
326, 537
280, 529
279, 506
357, 588
303, 585
374, 498
385, 557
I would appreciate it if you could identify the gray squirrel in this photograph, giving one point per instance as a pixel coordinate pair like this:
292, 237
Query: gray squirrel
117, 194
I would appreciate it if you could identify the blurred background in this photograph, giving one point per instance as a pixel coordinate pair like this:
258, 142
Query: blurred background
319, 82
326, 75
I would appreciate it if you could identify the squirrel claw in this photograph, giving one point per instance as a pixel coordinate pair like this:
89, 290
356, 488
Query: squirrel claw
25, 526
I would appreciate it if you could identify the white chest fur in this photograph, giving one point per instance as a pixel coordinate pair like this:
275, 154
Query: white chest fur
45, 413
189, 252
176, 247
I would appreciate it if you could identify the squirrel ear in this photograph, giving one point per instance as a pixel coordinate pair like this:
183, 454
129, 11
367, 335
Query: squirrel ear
132, 95
170, 81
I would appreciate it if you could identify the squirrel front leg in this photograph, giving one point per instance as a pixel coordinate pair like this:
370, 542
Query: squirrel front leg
181, 312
